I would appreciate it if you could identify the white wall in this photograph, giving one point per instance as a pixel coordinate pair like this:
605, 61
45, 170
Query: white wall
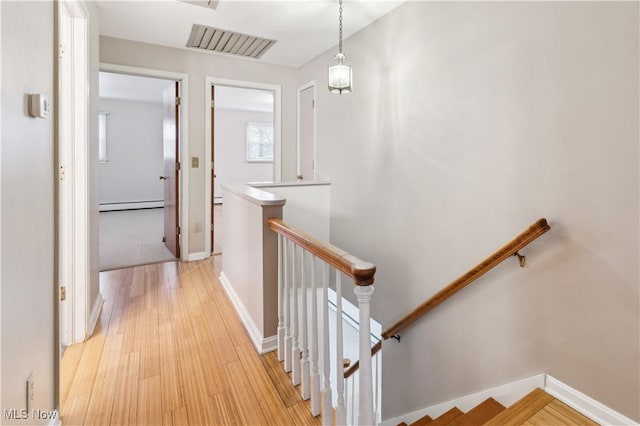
468, 122
134, 152
231, 148
199, 65
27, 179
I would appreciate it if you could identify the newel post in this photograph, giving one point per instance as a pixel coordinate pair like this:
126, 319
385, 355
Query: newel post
365, 401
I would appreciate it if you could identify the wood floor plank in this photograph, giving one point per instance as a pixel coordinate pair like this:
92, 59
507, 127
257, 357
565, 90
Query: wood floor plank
172, 398
150, 402
556, 413
150, 350
246, 400
288, 393
300, 415
270, 401
102, 395
225, 408
70, 362
125, 406
74, 410
519, 412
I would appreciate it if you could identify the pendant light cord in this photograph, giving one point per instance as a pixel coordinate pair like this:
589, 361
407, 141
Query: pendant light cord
340, 29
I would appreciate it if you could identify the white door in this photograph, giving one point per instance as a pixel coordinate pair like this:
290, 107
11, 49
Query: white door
306, 132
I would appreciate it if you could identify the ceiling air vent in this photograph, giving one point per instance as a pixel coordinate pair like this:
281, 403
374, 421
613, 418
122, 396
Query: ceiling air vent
217, 40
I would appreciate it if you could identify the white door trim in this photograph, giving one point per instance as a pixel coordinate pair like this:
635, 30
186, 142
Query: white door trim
73, 169
277, 139
183, 155
300, 90
1, 184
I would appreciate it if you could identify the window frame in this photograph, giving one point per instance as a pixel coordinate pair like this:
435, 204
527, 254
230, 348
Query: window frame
103, 157
249, 142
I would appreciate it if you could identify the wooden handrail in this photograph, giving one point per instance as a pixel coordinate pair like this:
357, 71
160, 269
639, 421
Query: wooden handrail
353, 368
361, 272
511, 248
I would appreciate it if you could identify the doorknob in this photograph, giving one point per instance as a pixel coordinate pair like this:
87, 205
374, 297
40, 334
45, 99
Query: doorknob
300, 177
164, 177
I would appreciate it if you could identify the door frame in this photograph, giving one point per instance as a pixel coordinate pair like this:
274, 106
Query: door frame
208, 154
72, 152
183, 139
302, 88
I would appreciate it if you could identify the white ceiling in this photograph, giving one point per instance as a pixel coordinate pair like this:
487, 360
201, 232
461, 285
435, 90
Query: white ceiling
146, 89
303, 28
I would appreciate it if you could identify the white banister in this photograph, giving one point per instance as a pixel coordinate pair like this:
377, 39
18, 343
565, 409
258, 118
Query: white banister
280, 302
341, 412
315, 377
295, 350
311, 361
365, 399
304, 361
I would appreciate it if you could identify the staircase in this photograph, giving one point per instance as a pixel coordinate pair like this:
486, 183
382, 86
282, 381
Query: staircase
536, 408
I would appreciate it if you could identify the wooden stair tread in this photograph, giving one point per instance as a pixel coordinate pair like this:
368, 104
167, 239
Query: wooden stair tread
557, 413
522, 410
480, 414
447, 417
425, 420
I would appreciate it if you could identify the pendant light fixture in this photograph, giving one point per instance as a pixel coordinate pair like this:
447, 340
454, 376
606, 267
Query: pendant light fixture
340, 77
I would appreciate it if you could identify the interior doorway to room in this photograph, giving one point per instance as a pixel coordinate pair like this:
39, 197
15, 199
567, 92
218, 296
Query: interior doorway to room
139, 175
242, 144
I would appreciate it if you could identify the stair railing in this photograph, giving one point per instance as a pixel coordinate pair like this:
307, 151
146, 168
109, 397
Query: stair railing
510, 249
303, 261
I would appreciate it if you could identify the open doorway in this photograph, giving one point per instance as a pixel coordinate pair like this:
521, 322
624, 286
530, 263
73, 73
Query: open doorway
243, 144
139, 193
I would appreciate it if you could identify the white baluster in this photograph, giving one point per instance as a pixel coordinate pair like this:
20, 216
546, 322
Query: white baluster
315, 377
365, 399
295, 350
376, 389
326, 348
341, 413
287, 307
304, 346
281, 301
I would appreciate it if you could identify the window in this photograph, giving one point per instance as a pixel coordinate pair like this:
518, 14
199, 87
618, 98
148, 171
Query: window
102, 137
259, 143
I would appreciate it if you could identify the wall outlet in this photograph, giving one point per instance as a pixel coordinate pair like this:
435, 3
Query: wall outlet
30, 391
195, 162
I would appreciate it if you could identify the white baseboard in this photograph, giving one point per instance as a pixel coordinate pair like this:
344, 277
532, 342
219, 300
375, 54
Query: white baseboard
505, 394
580, 402
95, 314
262, 345
107, 207
192, 257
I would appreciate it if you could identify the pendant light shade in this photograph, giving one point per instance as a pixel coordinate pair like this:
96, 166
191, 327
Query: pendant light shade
340, 77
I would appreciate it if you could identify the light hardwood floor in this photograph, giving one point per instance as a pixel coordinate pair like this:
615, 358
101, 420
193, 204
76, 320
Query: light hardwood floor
169, 349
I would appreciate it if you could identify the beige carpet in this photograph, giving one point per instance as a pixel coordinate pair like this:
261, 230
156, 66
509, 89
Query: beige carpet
132, 237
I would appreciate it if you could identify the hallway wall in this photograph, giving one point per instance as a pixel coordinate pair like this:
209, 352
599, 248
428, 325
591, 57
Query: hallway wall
27, 218
469, 121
